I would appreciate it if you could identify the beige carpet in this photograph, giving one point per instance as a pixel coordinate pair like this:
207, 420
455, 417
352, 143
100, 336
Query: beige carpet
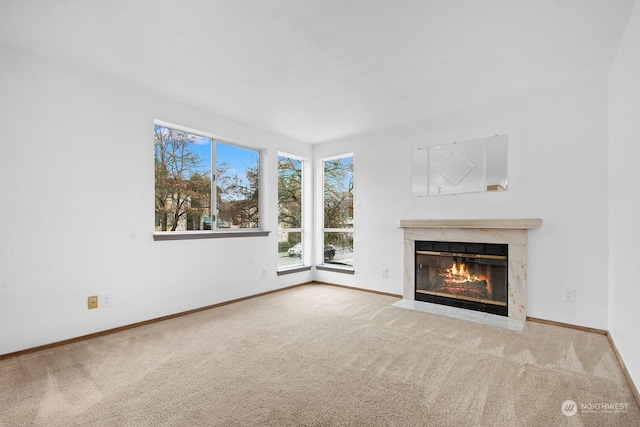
319, 356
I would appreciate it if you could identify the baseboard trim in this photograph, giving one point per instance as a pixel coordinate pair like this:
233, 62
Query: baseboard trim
371, 291
143, 323
632, 386
567, 325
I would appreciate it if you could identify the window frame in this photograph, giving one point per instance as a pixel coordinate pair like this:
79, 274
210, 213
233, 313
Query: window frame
216, 232
304, 217
321, 229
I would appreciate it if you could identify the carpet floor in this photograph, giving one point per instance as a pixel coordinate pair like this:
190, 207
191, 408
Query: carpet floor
320, 355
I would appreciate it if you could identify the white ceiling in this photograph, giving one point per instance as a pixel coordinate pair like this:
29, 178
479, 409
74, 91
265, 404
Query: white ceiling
318, 70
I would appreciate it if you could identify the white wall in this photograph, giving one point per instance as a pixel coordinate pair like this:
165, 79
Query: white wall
557, 172
77, 209
624, 199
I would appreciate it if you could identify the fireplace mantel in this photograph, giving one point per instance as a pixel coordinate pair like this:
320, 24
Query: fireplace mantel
510, 231
508, 224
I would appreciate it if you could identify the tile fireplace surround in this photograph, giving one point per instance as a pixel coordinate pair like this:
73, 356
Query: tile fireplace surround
512, 232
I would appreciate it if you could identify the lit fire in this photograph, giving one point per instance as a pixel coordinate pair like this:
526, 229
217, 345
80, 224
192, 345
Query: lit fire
459, 273
458, 279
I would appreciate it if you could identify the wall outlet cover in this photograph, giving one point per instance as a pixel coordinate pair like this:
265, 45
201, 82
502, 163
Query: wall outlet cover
569, 294
106, 300
92, 302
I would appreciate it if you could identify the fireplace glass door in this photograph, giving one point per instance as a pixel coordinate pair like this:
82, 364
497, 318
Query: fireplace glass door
466, 275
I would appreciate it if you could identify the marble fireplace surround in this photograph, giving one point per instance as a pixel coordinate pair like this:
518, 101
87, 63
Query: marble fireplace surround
513, 232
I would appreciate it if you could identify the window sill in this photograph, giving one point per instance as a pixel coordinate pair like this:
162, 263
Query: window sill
189, 235
294, 270
335, 268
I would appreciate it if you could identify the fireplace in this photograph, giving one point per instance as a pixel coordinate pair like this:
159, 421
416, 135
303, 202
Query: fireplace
463, 274
509, 232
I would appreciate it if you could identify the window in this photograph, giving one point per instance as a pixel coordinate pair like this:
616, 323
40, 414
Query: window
338, 211
185, 197
290, 227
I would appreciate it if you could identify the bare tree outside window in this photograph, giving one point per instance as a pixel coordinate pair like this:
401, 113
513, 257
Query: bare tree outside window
237, 185
290, 245
338, 211
289, 192
183, 183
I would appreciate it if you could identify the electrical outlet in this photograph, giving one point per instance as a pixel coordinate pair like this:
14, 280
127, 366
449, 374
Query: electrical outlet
92, 302
384, 273
106, 300
264, 273
569, 294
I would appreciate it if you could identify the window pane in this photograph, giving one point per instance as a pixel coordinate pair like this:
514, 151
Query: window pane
338, 193
289, 193
289, 249
338, 248
182, 180
237, 171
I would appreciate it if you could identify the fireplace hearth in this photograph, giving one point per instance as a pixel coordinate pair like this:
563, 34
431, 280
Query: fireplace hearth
463, 274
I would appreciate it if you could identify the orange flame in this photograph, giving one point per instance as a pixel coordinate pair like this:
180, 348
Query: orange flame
459, 273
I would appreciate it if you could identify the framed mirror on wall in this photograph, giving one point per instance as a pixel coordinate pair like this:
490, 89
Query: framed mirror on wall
477, 165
